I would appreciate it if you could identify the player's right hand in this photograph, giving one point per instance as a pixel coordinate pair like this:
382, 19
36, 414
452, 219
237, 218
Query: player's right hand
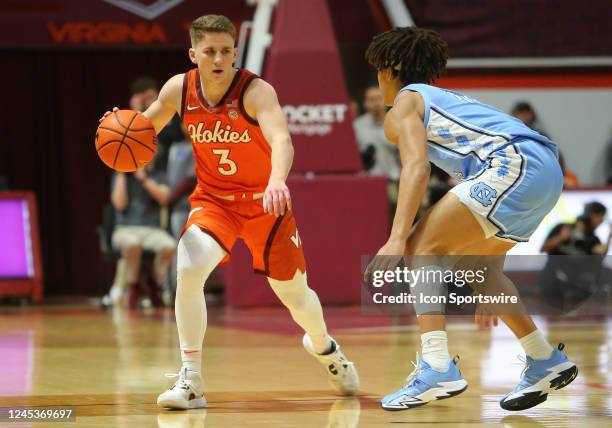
107, 113
276, 198
388, 258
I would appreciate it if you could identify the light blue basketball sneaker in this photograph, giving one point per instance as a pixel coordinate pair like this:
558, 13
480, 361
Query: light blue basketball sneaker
426, 384
538, 379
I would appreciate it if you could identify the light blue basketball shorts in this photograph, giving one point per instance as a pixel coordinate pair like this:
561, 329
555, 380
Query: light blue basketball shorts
512, 194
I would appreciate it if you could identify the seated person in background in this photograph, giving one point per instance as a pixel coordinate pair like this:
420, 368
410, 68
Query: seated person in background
525, 112
137, 199
144, 92
378, 155
579, 237
568, 281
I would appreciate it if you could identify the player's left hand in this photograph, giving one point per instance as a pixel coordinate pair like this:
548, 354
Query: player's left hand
106, 113
276, 198
484, 317
387, 258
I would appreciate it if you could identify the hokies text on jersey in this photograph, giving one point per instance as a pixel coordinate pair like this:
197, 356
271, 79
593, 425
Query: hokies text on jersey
219, 134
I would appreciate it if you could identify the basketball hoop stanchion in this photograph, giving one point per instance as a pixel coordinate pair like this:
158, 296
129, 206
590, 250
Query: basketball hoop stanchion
260, 35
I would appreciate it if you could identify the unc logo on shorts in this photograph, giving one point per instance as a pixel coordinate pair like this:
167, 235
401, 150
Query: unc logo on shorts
483, 193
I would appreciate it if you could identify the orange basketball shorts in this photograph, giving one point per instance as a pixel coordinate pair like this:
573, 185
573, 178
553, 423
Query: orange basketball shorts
273, 241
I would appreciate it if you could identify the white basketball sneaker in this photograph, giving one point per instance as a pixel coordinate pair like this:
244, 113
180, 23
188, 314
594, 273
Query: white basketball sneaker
186, 393
340, 371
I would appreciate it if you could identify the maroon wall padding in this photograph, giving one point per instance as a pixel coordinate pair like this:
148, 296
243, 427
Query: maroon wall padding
507, 28
303, 64
340, 219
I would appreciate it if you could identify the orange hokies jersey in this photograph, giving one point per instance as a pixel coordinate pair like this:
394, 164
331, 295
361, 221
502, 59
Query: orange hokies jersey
232, 157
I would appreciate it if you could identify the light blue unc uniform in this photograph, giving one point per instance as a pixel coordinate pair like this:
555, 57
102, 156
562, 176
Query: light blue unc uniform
510, 175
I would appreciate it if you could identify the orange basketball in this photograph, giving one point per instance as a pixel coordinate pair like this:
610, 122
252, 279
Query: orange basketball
126, 140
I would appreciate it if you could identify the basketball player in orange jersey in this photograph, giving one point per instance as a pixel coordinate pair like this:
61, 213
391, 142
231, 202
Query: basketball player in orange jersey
243, 155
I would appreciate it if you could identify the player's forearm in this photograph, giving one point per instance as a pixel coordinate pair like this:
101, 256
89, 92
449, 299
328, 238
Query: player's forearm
282, 159
159, 121
159, 114
413, 183
168, 103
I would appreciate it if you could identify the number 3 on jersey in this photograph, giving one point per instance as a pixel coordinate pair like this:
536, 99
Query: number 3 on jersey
226, 165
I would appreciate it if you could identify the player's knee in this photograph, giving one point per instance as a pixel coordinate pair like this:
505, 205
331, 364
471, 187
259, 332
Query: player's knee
195, 242
293, 293
190, 276
294, 299
192, 271
198, 255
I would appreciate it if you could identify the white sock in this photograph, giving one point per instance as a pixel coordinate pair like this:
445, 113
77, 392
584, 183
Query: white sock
434, 349
305, 308
536, 346
198, 254
192, 359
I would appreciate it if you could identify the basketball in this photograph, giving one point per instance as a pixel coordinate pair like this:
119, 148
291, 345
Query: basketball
126, 140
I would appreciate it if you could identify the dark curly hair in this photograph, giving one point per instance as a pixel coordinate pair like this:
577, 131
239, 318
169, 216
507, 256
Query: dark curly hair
414, 54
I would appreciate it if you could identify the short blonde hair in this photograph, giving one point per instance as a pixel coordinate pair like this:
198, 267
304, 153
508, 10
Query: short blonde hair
210, 24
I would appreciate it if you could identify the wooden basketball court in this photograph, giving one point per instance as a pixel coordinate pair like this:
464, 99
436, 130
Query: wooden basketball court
110, 366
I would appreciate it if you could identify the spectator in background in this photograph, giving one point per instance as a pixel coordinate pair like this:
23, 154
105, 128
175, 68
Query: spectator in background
524, 111
379, 156
568, 281
137, 199
354, 109
144, 91
579, 237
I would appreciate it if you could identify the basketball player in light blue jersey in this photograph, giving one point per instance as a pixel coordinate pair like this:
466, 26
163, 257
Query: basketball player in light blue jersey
510, 179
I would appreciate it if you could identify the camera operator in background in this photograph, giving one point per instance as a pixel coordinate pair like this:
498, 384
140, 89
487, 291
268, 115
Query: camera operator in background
572, 272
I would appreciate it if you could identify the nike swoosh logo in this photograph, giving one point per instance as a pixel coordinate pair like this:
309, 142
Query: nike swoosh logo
194, 210
192, 108
295, 239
